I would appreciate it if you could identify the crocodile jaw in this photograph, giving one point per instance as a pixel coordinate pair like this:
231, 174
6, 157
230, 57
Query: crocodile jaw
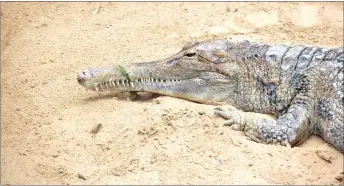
185, 78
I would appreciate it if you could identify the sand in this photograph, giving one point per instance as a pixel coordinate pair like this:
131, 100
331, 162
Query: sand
47, 119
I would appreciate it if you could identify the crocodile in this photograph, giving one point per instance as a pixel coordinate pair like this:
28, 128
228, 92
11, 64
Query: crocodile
278, 94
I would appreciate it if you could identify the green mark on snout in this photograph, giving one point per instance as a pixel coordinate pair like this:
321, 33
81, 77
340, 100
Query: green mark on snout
123, 72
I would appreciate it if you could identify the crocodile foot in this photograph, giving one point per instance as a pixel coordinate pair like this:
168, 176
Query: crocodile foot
260, 128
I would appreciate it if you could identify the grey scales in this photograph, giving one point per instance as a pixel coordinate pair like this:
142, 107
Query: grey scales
281, 94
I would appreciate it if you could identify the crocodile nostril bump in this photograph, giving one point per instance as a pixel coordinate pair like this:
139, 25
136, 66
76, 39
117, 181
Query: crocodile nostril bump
81, 78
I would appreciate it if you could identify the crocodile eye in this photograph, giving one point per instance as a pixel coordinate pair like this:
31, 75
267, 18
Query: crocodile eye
190, 54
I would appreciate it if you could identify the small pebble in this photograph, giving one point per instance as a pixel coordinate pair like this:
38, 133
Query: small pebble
96, 129
133, 96
81, 177
339, 177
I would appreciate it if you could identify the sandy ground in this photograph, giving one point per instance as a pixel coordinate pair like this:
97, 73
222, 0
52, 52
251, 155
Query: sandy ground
47, 118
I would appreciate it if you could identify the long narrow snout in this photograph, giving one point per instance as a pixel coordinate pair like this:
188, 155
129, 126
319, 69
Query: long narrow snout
178, 77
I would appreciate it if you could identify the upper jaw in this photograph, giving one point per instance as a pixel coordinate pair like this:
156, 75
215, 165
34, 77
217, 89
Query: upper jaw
139, 84
182, 77
130, 76
195, 85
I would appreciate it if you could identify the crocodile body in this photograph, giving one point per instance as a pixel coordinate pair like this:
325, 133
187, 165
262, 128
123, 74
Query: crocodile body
301, 86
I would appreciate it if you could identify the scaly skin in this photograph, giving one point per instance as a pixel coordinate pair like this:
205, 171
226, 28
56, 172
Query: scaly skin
302, 87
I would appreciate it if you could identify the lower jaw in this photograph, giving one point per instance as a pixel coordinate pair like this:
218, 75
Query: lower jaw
168, 90
177, 92
192, 90
153, 88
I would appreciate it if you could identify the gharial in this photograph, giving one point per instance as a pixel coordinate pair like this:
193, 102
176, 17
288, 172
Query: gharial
301, 86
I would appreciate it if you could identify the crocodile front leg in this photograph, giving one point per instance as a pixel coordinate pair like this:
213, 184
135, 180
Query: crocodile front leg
290, 129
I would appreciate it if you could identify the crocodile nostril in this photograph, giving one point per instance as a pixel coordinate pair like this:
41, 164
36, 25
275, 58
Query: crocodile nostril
81, 78
84, 73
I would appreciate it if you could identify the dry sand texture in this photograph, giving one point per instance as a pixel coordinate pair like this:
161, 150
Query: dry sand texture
47, 118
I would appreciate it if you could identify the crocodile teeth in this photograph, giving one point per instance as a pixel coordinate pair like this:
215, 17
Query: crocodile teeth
123, 83
113, 83
97, 89
106, 85
132, 84
116, 83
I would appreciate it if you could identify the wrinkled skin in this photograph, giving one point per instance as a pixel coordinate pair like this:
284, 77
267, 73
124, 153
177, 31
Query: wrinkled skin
286, 82
182, 75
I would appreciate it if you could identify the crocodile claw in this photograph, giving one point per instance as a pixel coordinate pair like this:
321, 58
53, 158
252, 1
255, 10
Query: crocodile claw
258, 127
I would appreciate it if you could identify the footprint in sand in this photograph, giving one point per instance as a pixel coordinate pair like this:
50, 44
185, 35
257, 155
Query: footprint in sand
311, 16
306, 16
262, 19
228, 26
256, 19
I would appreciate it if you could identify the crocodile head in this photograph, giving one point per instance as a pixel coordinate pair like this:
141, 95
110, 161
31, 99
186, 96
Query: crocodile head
184, 75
